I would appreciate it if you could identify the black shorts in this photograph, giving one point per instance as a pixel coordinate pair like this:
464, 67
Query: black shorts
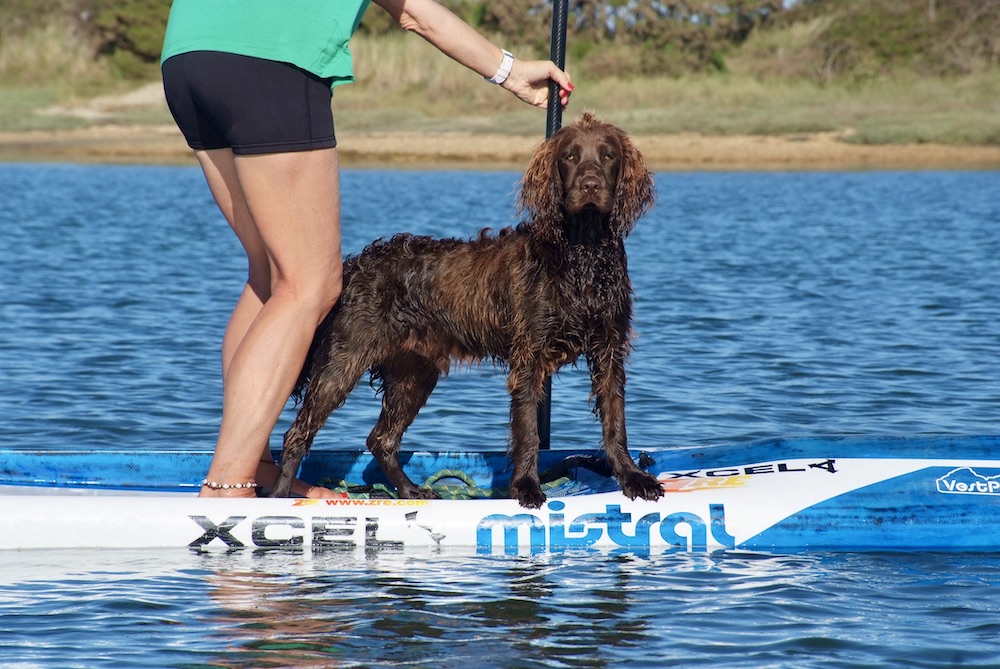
250, 105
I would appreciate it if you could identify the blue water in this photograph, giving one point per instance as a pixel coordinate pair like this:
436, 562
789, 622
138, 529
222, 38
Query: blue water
767, 304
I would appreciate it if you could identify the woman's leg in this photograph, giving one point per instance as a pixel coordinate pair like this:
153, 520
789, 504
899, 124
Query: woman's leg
220, 173
285, 210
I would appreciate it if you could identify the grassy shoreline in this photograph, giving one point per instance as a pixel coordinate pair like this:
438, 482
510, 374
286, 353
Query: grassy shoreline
961, 112
404, 84
162, 144
410, 106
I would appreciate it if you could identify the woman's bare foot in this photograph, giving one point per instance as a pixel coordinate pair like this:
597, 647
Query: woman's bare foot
319, 492
267, 472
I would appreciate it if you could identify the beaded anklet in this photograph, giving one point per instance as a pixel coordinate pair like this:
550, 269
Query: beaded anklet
228, 486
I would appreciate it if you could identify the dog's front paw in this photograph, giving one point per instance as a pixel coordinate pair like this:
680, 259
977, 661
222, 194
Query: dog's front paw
641, 484
528, 493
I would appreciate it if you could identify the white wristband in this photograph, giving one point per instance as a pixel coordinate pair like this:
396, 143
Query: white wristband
504, 70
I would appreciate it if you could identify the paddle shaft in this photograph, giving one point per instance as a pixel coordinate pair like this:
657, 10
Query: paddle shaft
557, 53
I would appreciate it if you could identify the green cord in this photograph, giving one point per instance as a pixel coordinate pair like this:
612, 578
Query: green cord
468, 489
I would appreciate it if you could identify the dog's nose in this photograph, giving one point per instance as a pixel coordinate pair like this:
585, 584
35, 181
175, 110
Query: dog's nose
591, 183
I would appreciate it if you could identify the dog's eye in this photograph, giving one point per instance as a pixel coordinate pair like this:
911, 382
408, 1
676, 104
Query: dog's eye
609, 157
570, 157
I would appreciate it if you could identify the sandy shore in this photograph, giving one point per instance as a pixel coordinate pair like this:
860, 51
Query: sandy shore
162, 144
102, 141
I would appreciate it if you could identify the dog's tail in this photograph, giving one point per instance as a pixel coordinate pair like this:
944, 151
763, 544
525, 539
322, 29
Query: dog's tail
318, 342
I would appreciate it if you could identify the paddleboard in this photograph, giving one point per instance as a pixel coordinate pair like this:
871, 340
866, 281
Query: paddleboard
829, 493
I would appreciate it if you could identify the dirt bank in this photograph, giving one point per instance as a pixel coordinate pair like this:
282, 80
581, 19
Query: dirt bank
162, 144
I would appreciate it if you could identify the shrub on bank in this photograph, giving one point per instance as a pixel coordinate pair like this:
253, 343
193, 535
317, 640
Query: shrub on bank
845, 40
642, 37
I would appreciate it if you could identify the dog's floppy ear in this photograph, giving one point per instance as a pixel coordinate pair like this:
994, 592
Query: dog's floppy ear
542, 189
635, 193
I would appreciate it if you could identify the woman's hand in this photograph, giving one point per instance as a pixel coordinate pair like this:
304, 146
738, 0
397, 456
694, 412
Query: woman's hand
529, 81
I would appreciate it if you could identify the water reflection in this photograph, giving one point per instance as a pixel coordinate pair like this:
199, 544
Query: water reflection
451, 608
421, 607
457, 609
262, 621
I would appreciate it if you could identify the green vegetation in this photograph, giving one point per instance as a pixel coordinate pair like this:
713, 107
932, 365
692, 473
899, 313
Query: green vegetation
880, 71
835, 41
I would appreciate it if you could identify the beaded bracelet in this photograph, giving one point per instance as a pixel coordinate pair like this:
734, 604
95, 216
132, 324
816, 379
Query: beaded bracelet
228, 486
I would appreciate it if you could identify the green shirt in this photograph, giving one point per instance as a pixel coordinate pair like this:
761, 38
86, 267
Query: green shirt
311, 34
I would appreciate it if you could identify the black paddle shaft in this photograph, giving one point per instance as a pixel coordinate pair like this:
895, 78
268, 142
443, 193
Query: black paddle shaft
557, 53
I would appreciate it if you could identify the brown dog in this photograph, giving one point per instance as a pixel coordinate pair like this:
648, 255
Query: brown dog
536, 297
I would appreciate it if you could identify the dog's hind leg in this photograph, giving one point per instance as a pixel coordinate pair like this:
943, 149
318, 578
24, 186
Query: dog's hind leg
407, 382
332, 380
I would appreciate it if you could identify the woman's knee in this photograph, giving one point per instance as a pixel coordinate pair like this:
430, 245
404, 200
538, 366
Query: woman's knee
328, 294
317, 294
